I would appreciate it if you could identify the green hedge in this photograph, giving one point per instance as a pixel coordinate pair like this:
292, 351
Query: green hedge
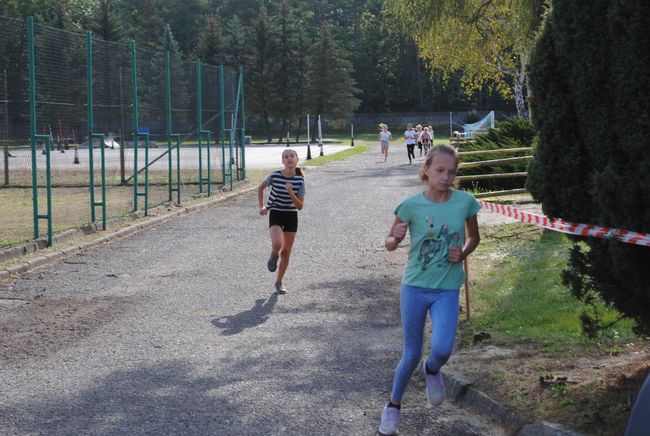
591, 106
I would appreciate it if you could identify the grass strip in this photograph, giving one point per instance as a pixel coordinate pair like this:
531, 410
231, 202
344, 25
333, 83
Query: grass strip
518, 291
321, 160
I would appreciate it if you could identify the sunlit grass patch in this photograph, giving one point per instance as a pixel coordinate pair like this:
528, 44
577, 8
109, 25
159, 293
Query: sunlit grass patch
518, 292
320, 160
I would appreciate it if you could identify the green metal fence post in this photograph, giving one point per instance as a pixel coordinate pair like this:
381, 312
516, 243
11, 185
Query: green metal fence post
136, 137
170, 135
94, 204
146, 175
201, 132
89, 87
32, 120
209, 180
91, 140
233, 123
103, 204
178, 167
34, 139
199, 122
222, 115
243, 127
233, 131
48, 177
134, 89
48, 189
168, 103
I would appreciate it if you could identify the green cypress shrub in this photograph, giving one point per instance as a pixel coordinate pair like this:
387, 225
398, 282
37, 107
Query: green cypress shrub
591, 106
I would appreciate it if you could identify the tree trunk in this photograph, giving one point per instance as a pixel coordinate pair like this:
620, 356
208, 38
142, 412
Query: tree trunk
298, 130
283, 130
267, 126
519, 100
521, 79
418, 77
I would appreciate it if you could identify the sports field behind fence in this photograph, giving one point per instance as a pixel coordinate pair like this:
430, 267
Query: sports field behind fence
171, 129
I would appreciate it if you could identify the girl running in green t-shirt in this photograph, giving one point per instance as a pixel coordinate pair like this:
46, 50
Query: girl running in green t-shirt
436, 220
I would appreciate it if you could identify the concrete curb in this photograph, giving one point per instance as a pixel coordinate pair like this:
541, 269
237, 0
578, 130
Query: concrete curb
145, 223
459, 389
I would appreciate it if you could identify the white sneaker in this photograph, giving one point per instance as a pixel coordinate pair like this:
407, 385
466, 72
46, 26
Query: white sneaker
435, 386
389, 420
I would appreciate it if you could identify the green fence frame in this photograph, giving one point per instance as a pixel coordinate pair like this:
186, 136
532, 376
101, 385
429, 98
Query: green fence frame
34, 139
236, 124
92, 135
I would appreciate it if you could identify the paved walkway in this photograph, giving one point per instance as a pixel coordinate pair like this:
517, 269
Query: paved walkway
175, 330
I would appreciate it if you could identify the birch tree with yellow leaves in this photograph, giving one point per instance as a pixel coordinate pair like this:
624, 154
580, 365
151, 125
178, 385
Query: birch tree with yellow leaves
488, 40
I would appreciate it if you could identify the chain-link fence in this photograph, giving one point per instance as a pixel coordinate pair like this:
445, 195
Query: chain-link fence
171, 129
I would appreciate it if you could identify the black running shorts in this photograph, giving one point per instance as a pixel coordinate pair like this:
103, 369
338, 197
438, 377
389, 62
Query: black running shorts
286, 219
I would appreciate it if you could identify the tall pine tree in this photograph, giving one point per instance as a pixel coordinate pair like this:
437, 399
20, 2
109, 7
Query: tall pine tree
285, 81
332, 87
210, 44
260, 94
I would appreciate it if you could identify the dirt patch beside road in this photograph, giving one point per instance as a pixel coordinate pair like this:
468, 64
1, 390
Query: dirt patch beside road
598, 395
40, 327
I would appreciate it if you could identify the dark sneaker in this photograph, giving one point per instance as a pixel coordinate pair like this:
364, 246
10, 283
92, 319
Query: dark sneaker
280, 289
272, 263
389, 420
435, 386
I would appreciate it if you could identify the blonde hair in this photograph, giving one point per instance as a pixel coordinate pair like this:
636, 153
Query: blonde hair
436, 149
299, 170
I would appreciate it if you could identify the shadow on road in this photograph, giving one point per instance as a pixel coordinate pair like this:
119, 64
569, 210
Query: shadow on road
257, 315
162, 398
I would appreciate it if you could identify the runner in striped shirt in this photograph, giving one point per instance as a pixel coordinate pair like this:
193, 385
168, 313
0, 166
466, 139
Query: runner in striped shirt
286, 198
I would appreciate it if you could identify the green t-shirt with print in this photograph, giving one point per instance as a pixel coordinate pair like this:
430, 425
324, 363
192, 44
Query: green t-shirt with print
433, 228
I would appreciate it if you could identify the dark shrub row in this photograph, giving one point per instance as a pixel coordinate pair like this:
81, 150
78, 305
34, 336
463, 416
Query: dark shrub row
591, 106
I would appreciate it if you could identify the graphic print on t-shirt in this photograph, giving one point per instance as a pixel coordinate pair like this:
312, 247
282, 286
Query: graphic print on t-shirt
435, 249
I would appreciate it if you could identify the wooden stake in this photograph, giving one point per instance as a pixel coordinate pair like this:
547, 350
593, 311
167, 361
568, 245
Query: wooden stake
467, 307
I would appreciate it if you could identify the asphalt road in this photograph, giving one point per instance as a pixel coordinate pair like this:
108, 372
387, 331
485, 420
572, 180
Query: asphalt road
175, 330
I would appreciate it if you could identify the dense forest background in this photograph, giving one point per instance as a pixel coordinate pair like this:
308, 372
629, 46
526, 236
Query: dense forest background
329, 57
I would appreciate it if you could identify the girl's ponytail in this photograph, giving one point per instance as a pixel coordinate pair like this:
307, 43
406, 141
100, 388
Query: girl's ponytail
300, 172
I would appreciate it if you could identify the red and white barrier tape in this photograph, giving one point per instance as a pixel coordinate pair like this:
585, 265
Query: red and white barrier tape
560, 225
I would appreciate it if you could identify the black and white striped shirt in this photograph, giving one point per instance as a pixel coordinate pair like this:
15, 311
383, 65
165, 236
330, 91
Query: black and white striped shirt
279, 198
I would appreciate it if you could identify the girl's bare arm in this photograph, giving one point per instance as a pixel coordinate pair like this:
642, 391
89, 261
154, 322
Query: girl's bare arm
396, 234
298, 201
471, 241
260, 198
473, 236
